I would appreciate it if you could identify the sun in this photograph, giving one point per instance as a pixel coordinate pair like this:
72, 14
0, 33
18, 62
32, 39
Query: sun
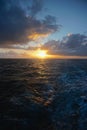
41, 53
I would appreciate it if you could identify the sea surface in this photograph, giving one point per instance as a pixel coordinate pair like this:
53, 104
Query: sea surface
42, 94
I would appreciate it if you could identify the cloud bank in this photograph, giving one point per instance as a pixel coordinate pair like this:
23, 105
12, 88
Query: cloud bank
72, 45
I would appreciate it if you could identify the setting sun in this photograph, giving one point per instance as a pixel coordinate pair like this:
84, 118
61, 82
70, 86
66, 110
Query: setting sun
41, 53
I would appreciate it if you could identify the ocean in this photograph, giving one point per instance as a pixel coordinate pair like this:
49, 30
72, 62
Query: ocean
43, 94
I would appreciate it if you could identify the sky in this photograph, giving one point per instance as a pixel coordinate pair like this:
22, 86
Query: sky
59, 26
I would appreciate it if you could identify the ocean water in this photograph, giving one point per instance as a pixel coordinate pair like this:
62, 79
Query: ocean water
41, 94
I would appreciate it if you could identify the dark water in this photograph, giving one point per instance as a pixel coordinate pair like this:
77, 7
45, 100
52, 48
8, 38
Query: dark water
43, 94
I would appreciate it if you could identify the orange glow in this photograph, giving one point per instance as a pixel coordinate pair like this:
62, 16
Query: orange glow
36, 36
41, 53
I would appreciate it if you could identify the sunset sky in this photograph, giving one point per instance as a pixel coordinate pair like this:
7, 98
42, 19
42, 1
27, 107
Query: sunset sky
58, 26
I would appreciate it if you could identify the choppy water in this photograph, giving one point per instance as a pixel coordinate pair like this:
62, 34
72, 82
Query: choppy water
43, 94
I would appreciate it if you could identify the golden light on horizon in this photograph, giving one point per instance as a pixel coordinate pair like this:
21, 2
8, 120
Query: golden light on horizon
41, 53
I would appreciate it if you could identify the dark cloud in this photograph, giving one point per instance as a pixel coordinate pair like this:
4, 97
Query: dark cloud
19, 25
74, 41
36, 7
72, 44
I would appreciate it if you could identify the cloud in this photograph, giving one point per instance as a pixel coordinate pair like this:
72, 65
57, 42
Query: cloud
8, 54
74, 41
19, 25
13, 53
72, 45
36, 7
36, 36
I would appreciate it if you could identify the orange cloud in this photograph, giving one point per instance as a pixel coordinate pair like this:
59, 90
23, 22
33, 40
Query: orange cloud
37, 36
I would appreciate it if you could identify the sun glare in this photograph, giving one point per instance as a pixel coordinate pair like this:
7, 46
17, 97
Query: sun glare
41, 53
